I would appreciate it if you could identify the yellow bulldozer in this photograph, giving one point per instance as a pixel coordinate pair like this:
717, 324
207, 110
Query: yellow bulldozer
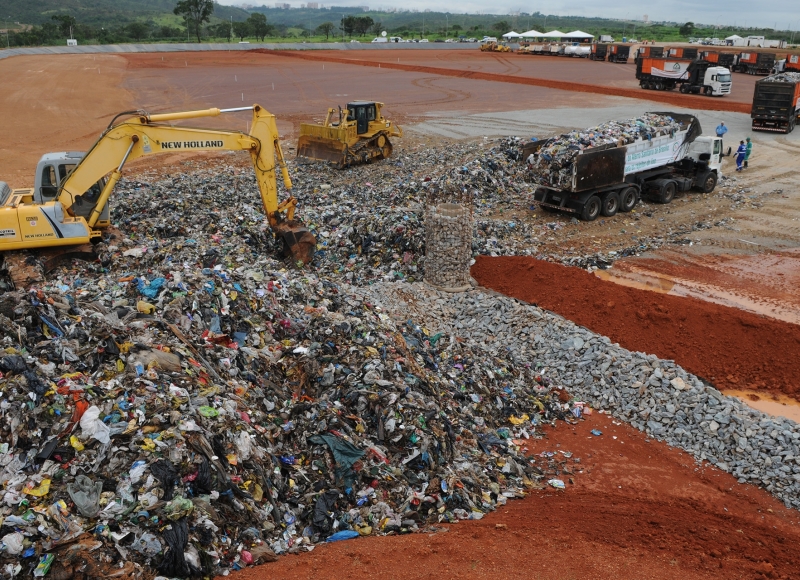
495, 47
360, 135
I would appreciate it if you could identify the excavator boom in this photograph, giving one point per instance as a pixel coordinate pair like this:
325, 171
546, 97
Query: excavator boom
56, 223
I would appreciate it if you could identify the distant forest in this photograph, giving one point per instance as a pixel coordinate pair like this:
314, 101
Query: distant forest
50, 22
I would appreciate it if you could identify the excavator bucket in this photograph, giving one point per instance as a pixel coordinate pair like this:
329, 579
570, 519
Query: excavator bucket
322, 149
299, 244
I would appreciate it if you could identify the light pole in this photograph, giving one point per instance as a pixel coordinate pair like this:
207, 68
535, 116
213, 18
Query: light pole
8, 42
342, 27
446, 24
545, 22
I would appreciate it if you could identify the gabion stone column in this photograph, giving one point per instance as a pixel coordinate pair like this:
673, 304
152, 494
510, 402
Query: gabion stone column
448, 242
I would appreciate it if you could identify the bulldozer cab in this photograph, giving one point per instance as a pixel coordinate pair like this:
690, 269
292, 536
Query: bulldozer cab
362, 113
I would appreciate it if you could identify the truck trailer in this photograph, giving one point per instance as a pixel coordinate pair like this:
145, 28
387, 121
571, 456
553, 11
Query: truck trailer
651, 51
726, 59
755, 63
688, 53
776, 103
619, 53
692, 76
599, 51
656, 155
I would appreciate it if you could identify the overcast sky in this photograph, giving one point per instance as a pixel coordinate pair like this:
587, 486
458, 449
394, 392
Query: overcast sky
764, 13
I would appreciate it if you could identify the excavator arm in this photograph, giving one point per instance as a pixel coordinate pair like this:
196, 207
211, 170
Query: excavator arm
145, 135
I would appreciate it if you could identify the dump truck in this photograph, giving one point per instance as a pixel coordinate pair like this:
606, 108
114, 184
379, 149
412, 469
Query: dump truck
789, 64
361, 134
681, 52
754, 63
599, 52
776, 103
726, 59
692, 76
613, 177
619, 53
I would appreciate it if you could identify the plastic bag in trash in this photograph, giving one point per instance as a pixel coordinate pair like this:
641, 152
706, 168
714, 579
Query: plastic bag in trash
93, 426
86, 495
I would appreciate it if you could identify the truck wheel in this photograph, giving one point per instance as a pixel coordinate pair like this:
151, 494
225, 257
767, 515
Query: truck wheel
667, 192
709, 182
610, 204
684, 89
628, 199
591, 209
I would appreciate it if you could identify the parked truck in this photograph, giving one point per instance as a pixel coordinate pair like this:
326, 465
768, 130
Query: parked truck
776, 103
599, 51
614, 177
789, 64
619, 53
755, 63
692, 76
726, 59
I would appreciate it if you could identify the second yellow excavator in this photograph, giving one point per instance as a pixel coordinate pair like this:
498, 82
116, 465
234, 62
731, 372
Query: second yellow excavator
69, 205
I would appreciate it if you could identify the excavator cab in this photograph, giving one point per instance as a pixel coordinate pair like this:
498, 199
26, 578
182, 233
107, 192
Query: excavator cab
52, 171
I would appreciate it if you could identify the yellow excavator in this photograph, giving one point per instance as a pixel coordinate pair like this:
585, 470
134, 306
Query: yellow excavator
360, 135
69, 204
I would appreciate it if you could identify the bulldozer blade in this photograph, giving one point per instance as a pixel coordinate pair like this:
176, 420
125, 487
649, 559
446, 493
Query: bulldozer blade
299, 244
320, 149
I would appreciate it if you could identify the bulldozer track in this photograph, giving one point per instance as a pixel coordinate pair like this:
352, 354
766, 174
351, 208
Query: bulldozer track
451, 95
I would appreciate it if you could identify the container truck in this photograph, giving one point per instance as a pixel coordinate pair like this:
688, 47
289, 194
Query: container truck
599, 52
755, 63
776, 103
692, 76
726, 59
613, 177
619, 53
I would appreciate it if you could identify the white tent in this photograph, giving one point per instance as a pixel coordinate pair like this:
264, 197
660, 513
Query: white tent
511, 34
552, 34
577, 34
736, 40
531, 34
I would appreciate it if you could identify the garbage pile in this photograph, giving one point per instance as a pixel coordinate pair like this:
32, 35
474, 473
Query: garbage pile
784, 77
194, 407
552, 164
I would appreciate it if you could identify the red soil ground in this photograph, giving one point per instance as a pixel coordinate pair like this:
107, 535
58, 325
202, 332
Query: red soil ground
672, 98
730, 348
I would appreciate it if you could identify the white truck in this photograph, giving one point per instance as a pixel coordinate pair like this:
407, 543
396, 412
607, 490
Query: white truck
613, 177
606, 38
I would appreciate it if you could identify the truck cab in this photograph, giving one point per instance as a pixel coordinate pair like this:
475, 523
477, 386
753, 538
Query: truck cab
51, 173
718, 79
708, 150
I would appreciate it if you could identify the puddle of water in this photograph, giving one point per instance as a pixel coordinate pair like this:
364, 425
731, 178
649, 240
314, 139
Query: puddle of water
636, 280
776, 405
664, 284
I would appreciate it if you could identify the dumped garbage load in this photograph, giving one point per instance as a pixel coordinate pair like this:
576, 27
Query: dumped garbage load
194, 407
554, 163
607, 168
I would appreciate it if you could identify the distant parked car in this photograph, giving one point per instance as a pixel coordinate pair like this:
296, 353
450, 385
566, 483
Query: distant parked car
440, 40
356, 41
423, 40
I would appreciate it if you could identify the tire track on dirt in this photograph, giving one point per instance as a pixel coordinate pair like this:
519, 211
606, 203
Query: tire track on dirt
680, 100
452, 95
